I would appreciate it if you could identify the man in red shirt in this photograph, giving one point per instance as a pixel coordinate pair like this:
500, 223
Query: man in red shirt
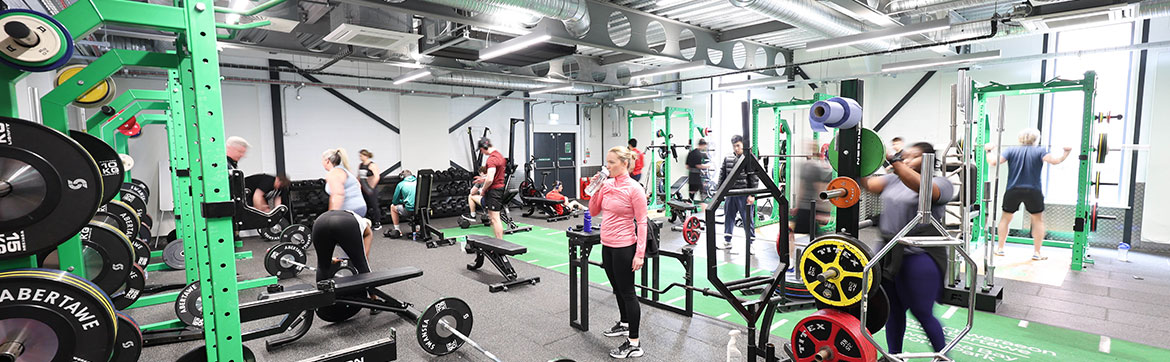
639, 160
493, 184
555, 194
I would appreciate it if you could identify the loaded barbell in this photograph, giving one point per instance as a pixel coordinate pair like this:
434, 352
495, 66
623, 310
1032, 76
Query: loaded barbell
286, 260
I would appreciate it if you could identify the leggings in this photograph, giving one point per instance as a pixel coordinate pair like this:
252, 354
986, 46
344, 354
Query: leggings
915, 287
338, 228
373, 211
618, 264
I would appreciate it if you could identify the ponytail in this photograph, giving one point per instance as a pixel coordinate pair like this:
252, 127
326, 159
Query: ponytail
337, 157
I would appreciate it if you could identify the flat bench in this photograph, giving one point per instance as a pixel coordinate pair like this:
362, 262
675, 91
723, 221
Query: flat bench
497, 251
546, 206
360, 282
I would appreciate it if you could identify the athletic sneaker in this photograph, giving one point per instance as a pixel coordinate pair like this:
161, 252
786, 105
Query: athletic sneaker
999, 252
791, 270
469, 218
1039, 257
724, 246
618, 329
626, 351
377, 226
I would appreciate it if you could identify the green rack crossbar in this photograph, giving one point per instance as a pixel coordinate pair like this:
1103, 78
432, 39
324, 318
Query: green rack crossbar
658, 200
781, 148
1087, 86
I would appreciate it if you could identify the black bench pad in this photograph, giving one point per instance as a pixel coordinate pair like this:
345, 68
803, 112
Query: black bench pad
540, 200
682, 205
363, 281
494, 245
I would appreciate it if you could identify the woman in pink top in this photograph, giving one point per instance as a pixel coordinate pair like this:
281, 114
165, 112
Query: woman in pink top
623, 241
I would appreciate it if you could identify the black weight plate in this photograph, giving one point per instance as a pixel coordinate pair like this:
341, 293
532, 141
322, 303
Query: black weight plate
55, 328
141, 186
128, 345
106, 254
136, 202
189, 305
297, 234
136, 190
199, 354
141, 252
174, 256
55, 187
435, 338
127, 219
146, 219
272, 232
132, 290
171, 236
278, 260
339, 312
108, 162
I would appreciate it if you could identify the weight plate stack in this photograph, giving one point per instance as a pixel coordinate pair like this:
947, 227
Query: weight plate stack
278, 260
132, 290
831, 267
52, 328
53, 186
297, 234
108, 162
128, 345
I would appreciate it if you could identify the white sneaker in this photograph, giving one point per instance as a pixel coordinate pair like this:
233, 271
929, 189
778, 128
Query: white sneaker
724, 246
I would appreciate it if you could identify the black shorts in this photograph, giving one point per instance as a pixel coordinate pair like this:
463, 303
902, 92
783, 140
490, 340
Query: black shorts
1032, 199
804, 218
694, 182
493, 200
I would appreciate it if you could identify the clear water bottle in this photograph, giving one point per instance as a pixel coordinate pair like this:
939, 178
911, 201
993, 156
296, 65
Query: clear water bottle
733, 353
596, 180
1123, 251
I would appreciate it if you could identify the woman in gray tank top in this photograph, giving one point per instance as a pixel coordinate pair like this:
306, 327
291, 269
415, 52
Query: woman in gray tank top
344, 191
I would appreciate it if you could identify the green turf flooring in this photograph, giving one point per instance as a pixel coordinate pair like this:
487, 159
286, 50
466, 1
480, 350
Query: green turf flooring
993, 338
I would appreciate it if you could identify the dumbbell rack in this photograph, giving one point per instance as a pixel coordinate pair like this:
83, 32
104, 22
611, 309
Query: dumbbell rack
195, 133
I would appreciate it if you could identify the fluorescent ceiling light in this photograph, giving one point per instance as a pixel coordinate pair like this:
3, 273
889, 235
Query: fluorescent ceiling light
412, 76
752, 83
235, 18
634, 98
926, 63
675, 68
886, 33
552, 89
513, 45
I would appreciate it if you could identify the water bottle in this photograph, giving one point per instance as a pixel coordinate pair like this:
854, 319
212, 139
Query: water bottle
1123, 251
733, 353
596, 180
587, 227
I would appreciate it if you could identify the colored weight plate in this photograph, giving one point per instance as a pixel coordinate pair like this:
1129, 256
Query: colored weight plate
831, 335
189, 305
109, 164
1093, 218
279, 259
272, 232
852, 192
199, 354
53, 48
873, 152
844, 255
174, 256
297, 234
132, 290
436, 339
137, 203
128, 342
53, 187
1097, 185
1102, 147
98, 95
127, 162
121, 215
692, 230
56, 316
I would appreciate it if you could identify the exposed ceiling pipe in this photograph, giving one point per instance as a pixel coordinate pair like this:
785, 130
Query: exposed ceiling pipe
916, 7
812, 16
344, 54
574, 13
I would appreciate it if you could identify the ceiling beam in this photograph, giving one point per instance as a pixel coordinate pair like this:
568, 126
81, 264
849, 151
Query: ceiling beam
751, 30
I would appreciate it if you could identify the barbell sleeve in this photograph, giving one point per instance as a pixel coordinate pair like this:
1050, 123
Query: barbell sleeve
832, 194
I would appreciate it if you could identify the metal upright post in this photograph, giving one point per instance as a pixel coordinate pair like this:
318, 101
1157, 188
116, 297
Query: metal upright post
989, 253
1080, 255
849, 159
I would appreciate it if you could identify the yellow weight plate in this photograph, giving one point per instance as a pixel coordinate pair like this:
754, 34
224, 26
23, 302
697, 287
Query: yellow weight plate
95, 95
831, 267
1102, 147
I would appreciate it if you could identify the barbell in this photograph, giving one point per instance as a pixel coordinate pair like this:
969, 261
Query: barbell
286, 260
693, 229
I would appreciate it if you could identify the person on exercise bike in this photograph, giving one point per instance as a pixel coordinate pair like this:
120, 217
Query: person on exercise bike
555, 194
473, 196
402, 204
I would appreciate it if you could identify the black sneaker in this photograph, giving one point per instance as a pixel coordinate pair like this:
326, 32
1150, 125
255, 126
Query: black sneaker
626, 351
468, 217
618, 329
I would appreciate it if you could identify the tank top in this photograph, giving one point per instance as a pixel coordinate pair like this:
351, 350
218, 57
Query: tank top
364, 170
353, 195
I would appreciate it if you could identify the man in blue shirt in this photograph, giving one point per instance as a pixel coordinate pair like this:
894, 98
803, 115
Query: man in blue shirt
1024, 165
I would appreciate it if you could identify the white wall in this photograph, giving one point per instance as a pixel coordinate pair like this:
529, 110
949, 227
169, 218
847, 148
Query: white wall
1155, 171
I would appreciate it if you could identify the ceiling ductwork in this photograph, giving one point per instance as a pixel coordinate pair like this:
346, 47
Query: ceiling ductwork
574, 13
812, 16
916, 7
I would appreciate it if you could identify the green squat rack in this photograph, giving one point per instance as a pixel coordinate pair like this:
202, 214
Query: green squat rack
1087, 86
781, 173
658, 183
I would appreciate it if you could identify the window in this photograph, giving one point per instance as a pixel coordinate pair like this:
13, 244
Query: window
1063, 126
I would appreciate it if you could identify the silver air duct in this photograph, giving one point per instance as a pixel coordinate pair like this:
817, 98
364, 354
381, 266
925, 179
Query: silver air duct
574, 13
811, 16
914, 7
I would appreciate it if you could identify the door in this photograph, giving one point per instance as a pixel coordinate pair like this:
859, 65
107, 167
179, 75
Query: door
556, 160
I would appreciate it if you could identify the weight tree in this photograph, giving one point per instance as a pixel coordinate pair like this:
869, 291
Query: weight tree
195, 83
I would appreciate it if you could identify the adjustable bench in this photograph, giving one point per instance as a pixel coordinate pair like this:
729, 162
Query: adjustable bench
680, 207
497, 251
546, 206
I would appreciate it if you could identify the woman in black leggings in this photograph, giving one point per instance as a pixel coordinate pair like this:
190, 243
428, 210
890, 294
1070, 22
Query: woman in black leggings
345, 229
